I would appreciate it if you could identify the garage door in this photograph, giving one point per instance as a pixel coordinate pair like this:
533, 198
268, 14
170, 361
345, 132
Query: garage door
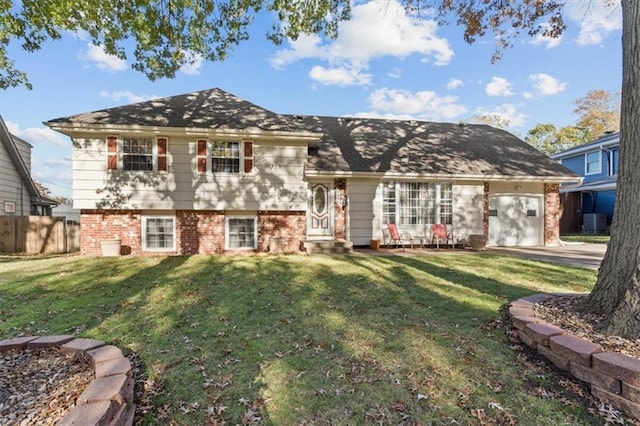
515, 221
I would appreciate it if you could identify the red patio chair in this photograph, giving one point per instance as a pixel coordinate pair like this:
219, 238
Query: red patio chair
396, 237
439, 234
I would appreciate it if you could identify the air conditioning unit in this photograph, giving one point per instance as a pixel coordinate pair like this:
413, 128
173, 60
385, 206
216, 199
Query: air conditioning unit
594, 222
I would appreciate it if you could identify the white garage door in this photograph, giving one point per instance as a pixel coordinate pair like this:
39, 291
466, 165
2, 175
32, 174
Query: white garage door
515, 221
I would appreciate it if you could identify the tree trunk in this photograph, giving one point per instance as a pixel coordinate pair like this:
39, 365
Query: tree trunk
617, 291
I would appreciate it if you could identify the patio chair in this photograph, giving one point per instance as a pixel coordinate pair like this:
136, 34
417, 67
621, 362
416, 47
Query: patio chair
439, 235
392, 235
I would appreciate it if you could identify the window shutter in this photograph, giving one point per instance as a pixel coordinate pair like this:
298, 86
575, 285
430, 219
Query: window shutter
202, 156
248, 157
162, 154
112, 153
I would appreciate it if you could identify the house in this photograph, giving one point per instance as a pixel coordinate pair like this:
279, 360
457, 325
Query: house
19, 196
208, 172
67, 211
589, 207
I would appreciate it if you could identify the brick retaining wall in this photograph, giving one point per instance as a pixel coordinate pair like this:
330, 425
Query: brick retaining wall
108, 399
613, 378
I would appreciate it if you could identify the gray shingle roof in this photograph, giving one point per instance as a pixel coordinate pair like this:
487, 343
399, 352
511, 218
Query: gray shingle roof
207, 109
376, 145
347, 144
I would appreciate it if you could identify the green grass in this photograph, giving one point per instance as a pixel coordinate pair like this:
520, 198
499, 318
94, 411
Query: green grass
293, 339
586, 238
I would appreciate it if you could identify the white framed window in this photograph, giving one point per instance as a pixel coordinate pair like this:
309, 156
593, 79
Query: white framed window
417, 203
158, 233
592, 163
137, 154
241, 233
225, 157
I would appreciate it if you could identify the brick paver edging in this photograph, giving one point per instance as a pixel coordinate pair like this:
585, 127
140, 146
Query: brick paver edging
108, 399
613, 378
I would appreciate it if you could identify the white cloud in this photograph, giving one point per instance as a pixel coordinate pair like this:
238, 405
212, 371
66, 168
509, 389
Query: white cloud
507, 112
546, 84
550, 42
527, 95
98, 57
339, 76
193, 65
499, 87
38, 135
127, 95
454, 83
596, 18
423, 105
395, 73
376, 29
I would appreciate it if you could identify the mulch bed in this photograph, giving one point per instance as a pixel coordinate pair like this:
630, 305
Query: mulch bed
40, 386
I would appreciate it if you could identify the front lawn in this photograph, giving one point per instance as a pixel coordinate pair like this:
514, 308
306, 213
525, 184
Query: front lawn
586, 238
316, 340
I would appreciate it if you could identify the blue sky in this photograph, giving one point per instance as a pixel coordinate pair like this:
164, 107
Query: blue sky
383, 64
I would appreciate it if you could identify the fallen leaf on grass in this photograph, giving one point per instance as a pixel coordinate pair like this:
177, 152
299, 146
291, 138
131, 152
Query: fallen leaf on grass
495, 406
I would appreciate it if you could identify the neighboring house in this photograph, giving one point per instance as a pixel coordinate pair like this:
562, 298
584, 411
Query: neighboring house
18, 194
67, 211
589, 207
207, 172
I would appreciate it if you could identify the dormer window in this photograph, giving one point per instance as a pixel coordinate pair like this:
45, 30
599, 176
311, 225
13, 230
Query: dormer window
593, 163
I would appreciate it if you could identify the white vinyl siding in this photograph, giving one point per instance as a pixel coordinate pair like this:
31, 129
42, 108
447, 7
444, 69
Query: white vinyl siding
276, 182
364, 210
13, 190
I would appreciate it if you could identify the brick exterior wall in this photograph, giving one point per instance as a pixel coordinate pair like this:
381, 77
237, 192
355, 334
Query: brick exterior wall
99, 225
551, 214
197, 232
485, 211
291, 227
339, 214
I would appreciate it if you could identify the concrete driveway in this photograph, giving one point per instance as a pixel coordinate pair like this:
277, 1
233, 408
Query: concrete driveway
570, 254
580, 255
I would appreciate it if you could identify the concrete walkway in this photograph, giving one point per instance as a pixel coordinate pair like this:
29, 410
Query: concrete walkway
579, 255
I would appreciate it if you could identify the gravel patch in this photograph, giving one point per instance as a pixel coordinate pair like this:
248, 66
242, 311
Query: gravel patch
38, 387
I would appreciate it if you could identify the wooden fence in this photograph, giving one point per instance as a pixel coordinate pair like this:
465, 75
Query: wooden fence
38, 235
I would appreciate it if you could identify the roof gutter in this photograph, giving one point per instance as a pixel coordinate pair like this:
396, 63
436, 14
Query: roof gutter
574, 180
249, 132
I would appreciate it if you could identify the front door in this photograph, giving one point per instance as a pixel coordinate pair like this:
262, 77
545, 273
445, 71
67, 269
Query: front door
320, 212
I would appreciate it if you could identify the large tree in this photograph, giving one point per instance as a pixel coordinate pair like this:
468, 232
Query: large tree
599, 112
165, 34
